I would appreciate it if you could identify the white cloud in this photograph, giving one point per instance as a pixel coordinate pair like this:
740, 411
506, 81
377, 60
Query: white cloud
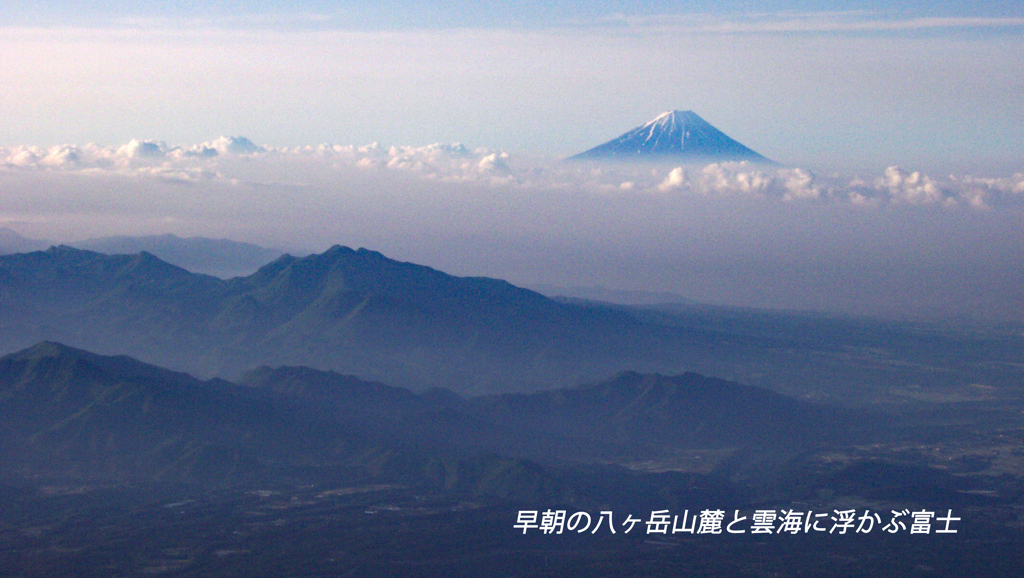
676, 179
134, 156
494, 163
235, 145
23, 157
136, 149
455, 163
62, 155
799, 185
913, 188
732, 179
744, 180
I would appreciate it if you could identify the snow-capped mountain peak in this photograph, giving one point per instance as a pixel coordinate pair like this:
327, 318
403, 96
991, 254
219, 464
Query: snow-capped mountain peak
674, 134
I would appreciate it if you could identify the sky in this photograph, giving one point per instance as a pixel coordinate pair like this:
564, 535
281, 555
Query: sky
862, 86
434, 131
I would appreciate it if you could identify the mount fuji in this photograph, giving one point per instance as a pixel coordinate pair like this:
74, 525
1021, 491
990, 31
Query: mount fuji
674, 135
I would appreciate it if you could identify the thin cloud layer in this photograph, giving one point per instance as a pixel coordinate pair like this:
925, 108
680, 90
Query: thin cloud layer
808, 22
455, 163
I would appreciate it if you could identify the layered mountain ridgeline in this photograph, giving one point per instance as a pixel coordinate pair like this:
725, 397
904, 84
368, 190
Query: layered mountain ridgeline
70, 413
109, 465
12, 242
67, 412
623, 419
353, 311
220, 257
635, 416
358, 312
70, 416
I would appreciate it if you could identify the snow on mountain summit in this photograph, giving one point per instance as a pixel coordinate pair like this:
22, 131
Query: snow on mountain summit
677, 135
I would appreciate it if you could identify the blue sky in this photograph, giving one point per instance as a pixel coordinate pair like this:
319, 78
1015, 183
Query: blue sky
862, 86
458, 13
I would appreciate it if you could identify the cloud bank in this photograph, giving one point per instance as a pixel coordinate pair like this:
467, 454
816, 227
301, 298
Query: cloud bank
217, 161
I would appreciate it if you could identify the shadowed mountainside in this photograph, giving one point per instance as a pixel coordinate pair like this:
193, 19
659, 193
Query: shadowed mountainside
74, 416
626, 417
353, 311
360, 313
68, 412
107, 462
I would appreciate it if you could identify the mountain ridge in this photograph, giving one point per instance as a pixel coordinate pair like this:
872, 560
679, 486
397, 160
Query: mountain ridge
354, 311
219, 257
80, 413
361, 313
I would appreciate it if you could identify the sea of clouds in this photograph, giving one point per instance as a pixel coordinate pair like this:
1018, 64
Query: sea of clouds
455, 163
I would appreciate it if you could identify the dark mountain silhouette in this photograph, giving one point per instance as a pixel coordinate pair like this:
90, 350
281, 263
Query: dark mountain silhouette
111, 466
344, 390
352, 311
71, 413
628, 416
220, 257
675, 135
635, 414
359, 313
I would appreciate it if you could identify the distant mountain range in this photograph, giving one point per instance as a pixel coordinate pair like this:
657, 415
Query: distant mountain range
219, 257
12, 242
225, 259
68, 414
676, 135
623, 296
360, 313
354, 311
71, 413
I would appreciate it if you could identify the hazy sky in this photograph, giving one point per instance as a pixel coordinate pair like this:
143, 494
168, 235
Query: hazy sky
900, 128
865, 85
